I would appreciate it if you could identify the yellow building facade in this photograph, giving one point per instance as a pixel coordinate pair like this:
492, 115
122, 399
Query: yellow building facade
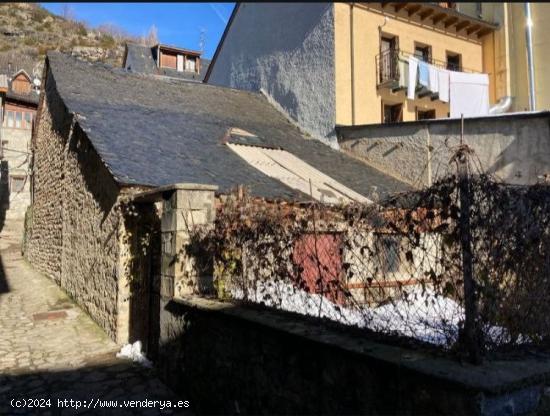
372, 42
510, 50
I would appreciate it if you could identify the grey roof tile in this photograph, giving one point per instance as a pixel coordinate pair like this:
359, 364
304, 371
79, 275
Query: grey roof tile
158, 132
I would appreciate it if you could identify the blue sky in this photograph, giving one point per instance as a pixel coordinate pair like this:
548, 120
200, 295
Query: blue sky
177, 23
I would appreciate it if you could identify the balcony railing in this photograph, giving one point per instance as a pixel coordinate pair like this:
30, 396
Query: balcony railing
387, 64
391, 63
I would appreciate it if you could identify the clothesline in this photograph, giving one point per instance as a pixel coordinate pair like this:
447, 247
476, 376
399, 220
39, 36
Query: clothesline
404, 55
466, 93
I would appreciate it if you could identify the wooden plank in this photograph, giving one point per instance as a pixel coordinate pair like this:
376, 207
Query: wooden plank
413, 9
450, 21
483, 32
472, 29
462, 25
425, 14
398, 6
438, 18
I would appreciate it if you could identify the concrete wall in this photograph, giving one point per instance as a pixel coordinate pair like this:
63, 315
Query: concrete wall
515, 147
229, 359
288, 51
16, 156
75, 231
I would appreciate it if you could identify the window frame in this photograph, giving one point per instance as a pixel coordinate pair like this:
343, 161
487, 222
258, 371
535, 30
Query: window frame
389, 104
425, 110
424, 47
456, 55
13, 178
188, 59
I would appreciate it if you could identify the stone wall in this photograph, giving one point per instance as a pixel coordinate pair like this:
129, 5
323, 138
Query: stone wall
515, 147
74, 233
293, 63
230, 359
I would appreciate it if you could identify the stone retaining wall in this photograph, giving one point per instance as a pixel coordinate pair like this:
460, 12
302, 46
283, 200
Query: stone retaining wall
230, 359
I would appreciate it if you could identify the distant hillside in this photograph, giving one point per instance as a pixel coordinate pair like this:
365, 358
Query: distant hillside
27, 31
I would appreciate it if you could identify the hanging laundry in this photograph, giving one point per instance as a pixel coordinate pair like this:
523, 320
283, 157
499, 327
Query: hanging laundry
433, 79
443, 84
468, 94
403, 73
413, 67
423, 74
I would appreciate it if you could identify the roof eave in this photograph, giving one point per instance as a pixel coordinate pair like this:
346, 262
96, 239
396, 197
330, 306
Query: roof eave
221, 42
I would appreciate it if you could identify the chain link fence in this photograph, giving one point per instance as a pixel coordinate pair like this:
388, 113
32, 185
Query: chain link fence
463, 265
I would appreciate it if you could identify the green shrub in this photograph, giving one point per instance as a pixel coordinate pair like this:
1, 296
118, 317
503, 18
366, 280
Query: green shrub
38, 14
107, 41
81, 30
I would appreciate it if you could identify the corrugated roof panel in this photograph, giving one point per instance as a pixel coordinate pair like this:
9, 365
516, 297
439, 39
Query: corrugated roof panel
297, 174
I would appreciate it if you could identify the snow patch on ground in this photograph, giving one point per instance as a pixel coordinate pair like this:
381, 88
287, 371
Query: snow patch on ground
424, 315
134, 353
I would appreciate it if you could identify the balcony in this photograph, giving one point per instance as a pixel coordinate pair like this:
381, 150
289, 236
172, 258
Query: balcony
392, 71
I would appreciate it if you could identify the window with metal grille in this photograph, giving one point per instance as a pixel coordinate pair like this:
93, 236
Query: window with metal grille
17, 183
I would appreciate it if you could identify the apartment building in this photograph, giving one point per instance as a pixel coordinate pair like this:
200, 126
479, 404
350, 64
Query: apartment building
510, 54
348, 63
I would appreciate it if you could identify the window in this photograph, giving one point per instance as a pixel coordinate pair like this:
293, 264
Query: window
11, 119
393, 113
18, 119
17, 183
388, 62
388, 43
388, 248
28, 120
190, 63
425, 114
423, 52
453, 61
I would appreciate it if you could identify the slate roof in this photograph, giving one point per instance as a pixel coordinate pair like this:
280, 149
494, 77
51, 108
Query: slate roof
30, 98
157, 132
141, 59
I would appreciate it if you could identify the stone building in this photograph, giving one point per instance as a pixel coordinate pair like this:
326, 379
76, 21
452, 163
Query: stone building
105, 135
18, 102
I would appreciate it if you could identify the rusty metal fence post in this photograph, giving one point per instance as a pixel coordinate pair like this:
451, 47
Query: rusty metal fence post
471, 335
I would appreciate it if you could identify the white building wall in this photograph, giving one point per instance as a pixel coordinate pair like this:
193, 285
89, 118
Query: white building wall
286, 50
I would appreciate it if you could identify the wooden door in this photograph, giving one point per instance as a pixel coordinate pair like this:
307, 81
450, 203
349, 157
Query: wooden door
319, 262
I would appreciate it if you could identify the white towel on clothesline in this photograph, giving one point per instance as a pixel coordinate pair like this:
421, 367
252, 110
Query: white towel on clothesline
443, 81
468, 94
413, 68
433, 79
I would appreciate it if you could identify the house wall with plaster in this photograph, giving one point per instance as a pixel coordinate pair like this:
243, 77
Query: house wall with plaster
288, 51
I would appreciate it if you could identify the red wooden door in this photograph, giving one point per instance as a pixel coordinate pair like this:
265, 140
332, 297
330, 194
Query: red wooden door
319, 262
